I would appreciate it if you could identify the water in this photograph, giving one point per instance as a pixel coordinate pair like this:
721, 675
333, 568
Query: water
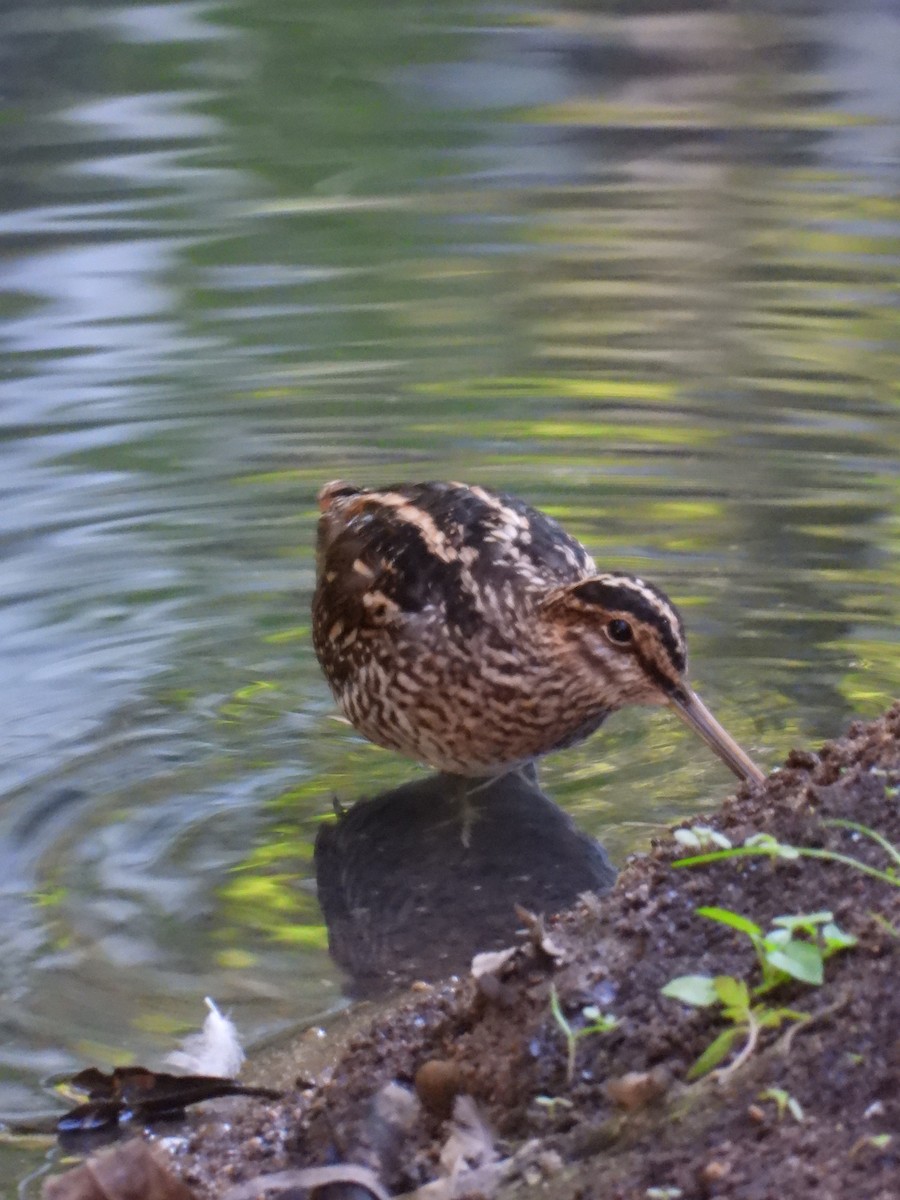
635, 263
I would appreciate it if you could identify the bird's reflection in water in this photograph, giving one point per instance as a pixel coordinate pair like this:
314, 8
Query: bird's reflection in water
406, 896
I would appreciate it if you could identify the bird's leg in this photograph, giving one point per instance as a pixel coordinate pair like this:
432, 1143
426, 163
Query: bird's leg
468, 788
526, 771
464, 789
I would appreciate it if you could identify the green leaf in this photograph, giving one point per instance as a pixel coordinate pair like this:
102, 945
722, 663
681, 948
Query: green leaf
770, 1018
777, 937
714, 1052
880, 1141
806, 921
764, 843
558, 1015
733, 993
784, 1101
726, 917
696, 990
800, 960
836, 938
604, 1023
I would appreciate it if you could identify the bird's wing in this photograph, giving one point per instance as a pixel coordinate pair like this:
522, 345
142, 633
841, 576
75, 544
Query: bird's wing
390, 554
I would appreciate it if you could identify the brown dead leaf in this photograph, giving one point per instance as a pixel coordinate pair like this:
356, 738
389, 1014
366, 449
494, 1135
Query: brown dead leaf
307, 1179
538, 935
138, 1094
491, 962
127, 1172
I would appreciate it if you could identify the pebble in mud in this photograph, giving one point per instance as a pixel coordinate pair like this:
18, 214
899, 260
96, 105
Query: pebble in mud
438, 1083
637, 1089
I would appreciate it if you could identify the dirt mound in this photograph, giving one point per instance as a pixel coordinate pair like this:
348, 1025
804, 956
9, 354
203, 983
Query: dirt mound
801, 1104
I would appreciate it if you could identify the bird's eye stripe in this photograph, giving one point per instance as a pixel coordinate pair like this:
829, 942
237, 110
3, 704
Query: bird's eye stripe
640, 601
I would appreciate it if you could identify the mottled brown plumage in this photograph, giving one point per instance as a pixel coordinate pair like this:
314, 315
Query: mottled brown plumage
471, 632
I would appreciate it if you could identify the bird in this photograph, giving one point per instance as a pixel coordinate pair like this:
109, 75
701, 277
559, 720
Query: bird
468, 631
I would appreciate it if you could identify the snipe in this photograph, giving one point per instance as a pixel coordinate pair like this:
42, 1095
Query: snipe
471, 632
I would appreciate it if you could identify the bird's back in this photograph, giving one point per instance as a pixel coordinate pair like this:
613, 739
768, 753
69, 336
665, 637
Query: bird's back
443, 545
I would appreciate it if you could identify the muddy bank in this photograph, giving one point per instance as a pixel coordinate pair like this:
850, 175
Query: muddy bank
804, 1101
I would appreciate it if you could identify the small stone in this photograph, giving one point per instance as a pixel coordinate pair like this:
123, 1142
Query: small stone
637, 1089
550, 1162
397, 1105
438, 1082
714, 1171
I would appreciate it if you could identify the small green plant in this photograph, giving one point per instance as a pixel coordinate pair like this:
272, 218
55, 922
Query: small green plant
552, 1103
885, 924
695, 837
766, 845
877, 1141
747, 1020
796, 947
784, 1103
597, 1022
880, 1141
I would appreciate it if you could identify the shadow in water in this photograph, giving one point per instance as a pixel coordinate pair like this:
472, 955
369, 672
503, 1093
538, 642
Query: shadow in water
412, 884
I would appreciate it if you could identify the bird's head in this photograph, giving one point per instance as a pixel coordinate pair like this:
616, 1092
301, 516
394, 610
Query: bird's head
624, 641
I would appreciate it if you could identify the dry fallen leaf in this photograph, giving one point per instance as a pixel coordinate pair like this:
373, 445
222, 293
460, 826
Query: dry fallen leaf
490, 962
308, 1179
127, 1172
138, 1094
538, 935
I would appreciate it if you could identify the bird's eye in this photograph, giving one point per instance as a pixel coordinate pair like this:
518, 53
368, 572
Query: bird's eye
619, 631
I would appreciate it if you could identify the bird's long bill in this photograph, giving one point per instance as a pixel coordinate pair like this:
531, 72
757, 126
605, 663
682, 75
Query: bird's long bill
697, 716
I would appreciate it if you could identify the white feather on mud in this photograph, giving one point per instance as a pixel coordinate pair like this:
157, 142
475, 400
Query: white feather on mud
215, 1050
